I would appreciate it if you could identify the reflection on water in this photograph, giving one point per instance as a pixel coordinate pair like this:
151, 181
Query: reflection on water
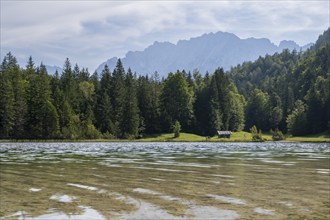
164, 180
263, 211
227, 199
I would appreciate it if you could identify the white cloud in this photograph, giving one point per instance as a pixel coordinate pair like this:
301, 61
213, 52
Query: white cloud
89, 32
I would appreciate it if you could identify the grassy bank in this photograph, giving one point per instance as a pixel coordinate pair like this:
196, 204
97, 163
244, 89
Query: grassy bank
321, 137
240, 136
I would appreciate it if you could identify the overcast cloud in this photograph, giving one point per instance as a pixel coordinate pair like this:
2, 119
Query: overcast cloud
90, 32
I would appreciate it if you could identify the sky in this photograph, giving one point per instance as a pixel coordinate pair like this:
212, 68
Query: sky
90, 32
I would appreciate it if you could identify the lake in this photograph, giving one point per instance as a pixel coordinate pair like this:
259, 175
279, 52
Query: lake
164, 180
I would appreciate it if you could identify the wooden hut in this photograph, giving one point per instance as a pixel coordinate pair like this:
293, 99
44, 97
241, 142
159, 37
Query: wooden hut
224, 134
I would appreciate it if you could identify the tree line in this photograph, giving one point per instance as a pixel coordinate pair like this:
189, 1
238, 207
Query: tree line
287, 91
114, 104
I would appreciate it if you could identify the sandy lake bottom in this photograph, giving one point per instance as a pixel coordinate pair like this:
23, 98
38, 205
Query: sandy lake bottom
164, 181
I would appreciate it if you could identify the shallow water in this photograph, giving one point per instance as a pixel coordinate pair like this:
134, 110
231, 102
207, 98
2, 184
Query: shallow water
164, 181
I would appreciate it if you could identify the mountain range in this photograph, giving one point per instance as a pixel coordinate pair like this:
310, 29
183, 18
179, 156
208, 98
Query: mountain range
205, 53
52, 69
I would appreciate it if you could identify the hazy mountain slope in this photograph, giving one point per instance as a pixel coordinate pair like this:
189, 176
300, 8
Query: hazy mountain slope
52, 69
206, 53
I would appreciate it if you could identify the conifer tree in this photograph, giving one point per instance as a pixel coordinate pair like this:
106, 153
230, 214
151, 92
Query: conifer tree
6, 104
130, 120
118, 96
148, 101
43, 119
57, 97
202, 110
12, 99
70, 85
219, 101
20, 86
104, 110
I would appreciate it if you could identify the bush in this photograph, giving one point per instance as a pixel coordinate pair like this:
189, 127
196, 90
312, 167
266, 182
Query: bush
91, 132
108, 135
256, 136
176, 129
277, 135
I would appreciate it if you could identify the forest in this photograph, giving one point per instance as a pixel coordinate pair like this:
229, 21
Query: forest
287, 91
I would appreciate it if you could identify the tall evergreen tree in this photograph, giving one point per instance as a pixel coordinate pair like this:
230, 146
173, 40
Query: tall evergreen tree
118, 96
202, 108
57, 96
12, 99
87, 91
130, 120
104, 110
9, 62
219, 101
43, 119
20, 86
70, 85
6, 101
148, 100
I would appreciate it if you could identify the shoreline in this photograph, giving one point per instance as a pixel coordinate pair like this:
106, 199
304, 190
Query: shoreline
239, 137
157, 141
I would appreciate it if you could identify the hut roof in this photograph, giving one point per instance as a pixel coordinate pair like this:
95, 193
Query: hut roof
224, 132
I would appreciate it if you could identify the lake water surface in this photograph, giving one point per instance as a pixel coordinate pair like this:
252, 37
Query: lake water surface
164, 181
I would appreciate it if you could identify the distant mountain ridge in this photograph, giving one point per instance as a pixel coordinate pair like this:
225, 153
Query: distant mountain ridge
52, 69
205, 53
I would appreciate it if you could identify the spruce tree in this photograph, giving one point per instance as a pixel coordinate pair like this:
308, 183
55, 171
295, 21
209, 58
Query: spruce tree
219, 101
12, 98
43, 119
6, 105
202, 110
118, 96
70, 85
103, 109
130, 120
148, 101
20, 86
57, 96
